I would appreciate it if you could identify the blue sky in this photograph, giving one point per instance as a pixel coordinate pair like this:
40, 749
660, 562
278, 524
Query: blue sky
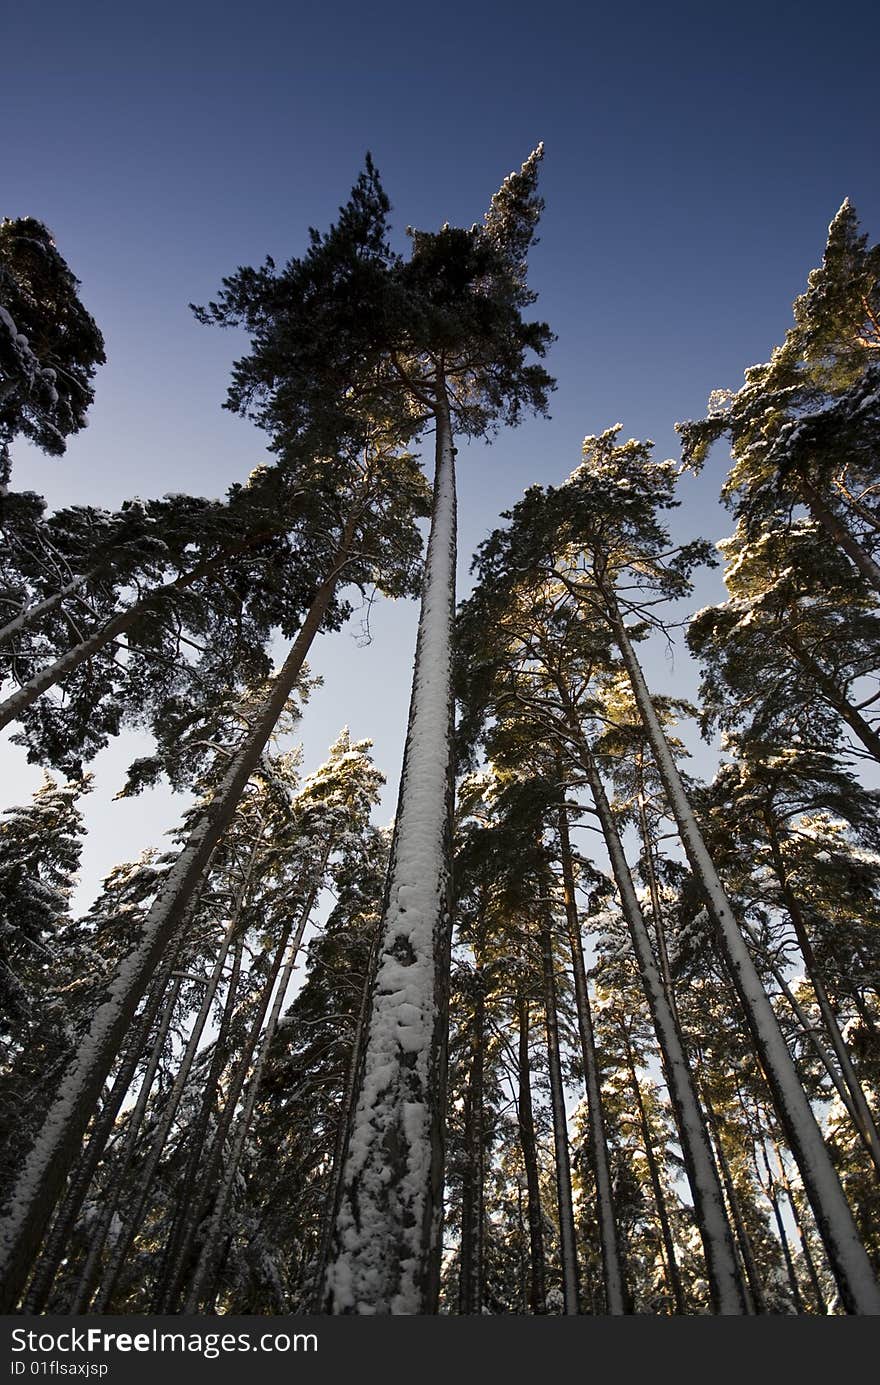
695, 154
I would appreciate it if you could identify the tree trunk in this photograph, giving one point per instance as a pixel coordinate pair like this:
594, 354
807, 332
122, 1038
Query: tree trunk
194, 1210
165, 1289
612, 1271
770, 1190
346, 1111
54, 1151
567, 1240
55, 1247
386, 1256
470, 1284
858, 1106
147, 1173
744, 1240
205, 1266
656, 1185
83, 1291
723, 1273
526, 1116
802, 1235
807, 1027
858, 1287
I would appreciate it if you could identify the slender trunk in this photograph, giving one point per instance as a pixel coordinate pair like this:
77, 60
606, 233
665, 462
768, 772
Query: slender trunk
31, 614
612, 1271
859, 1290
656, 909
723, 1273
147, 1173
833, 694
858, 1106
195, 1209
216, 1226
673, 1273
386, 1256
837, 530
567, 1241
526, 1116
165, 1290
55, 1247
802, 1235
770, 1190
744, 1240
119, 1172
117, 625
55, 1149
470, 1284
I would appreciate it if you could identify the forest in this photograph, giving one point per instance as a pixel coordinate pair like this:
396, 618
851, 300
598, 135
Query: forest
580, 1032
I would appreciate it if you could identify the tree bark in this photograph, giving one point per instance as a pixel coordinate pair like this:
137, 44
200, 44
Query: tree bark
386, 1253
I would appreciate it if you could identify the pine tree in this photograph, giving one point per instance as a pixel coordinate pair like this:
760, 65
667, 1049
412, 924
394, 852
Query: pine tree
49, 345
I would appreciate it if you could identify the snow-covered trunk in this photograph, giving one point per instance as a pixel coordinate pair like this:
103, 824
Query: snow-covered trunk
346, 1110
165, 1290
852, 1270
856, 1105
217, 1225
537, 1292
82, 1293
31, 614
470, 1279
673, 1273
567, 1239
73, 658
612, 1270
196, 1208
837, 530
55, 1247
56, 1147
833, 694
388, 1231
147, 1171
723, 1273
758, 1302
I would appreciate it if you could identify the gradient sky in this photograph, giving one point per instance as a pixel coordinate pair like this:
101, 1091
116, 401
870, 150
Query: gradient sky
695, 154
